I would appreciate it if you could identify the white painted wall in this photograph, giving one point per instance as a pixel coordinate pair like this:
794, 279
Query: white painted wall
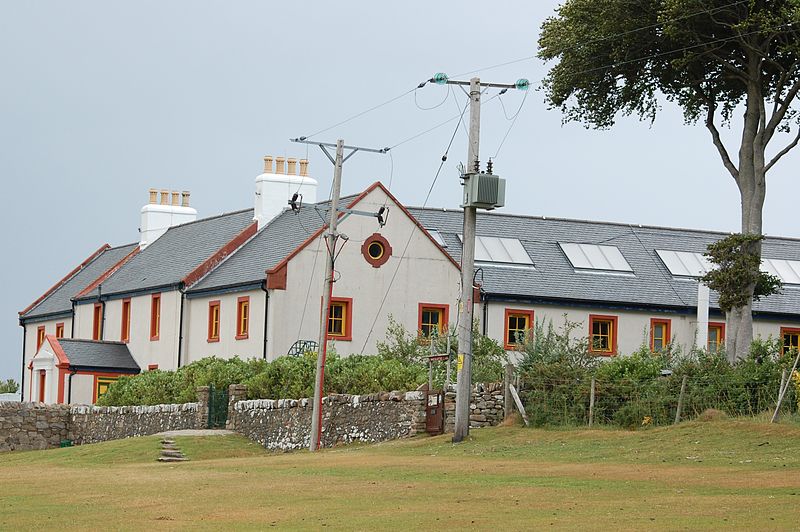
45, 360
31, 331
197, 345
82, 389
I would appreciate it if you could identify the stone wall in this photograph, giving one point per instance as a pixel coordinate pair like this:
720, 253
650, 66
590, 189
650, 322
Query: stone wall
285, 424
485, 409
91, 424
26, 426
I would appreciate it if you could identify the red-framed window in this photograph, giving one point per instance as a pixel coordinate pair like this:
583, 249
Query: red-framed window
125, 326
603, 335
152, 367
716, 336
155, 317
340, 319
60, 330
518, 325
213, 320
790, 340
97, 321
432, 319
40, 334
660, 334
243, 317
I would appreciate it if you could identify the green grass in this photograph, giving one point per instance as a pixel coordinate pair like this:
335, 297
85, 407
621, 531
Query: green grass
741, 474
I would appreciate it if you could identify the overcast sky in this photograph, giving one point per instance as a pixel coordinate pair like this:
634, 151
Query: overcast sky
101, 100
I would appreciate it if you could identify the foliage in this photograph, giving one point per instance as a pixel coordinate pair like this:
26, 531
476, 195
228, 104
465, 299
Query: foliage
738, 266
9, 386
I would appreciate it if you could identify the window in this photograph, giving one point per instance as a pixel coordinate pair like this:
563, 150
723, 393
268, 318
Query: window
340, 321
101, 386
684, 263
152, 367
125, 328
594, 257
716, 337
155, 317
791, 340
97, 322
660, 334
518, 324
432, 320
213, 321
242, 318
376, 250
500, 250
603, 335
59, 330
40, 334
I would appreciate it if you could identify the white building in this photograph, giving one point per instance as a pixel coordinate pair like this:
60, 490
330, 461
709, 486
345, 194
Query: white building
249, 284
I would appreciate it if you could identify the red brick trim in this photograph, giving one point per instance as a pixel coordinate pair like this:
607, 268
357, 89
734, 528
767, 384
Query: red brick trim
276, 280
66, 278
384, 257
211, 262
108, 273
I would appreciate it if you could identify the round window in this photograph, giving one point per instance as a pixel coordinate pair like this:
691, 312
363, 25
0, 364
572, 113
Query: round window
375, 250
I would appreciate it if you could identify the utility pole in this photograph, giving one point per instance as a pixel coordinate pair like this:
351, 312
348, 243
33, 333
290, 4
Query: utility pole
464, 365
331, 239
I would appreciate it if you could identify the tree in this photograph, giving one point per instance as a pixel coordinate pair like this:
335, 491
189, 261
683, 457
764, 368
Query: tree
712, 58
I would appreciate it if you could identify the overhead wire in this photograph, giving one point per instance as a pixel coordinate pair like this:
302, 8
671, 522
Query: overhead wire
421, 108
513, 122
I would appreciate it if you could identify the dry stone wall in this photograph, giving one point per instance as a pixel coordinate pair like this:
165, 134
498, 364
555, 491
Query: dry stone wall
485, 409
27, 426
285, 424
91, 424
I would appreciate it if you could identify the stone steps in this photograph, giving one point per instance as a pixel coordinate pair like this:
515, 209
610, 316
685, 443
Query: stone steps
170, 452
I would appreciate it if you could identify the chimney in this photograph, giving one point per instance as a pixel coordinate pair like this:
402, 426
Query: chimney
275, 189
158, 217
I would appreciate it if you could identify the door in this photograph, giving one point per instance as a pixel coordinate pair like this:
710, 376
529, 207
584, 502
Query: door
217, 407
434, 413
42, 374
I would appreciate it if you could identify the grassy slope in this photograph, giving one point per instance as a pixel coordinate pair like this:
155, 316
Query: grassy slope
741, 474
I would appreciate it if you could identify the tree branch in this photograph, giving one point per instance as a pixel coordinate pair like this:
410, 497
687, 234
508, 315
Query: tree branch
783, 152
781, 111
723, 153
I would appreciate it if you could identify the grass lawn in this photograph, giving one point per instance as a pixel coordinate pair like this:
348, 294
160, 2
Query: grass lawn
741, 474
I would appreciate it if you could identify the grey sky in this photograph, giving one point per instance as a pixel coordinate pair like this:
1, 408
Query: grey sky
100, 101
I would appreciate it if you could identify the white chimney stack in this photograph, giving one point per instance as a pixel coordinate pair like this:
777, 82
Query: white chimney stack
158, 217
275, 187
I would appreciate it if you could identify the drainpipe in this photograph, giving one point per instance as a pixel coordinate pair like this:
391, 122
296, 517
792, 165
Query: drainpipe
102, 311
69, 383
72, 324
485, 298
181, 289
22, 380
266, 313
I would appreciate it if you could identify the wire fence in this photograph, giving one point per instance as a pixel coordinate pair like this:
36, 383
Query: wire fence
633, 403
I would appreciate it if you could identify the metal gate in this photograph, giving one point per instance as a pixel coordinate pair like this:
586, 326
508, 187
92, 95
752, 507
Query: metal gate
217, 407
434, 412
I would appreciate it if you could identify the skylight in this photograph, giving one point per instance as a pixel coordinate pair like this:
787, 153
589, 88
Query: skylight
684, 264
437, 236
595, 257
787, 270
502, 250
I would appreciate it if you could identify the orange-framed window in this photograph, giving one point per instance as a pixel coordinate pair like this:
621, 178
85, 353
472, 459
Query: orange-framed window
716, 337
660, 334
518, 325
432, 319
59, 330
242, 317
340, 319
155, 317
602, 335
97, 321
40, 334
101, 385
152, 367
213, 320
125, 326
790, 340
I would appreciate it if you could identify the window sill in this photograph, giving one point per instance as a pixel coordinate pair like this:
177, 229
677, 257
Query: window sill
242, 336
212, 340
603, 353
340, 338
154, 338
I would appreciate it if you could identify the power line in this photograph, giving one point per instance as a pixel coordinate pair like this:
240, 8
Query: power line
513, 121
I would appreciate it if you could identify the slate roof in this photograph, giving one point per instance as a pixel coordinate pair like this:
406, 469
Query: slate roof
282, 235
554, 278
175, 254
93, 354
59, 301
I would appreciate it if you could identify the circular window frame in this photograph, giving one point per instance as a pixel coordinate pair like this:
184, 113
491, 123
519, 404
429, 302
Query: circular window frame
387, 250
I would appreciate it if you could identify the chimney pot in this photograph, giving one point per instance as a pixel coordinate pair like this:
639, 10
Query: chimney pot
185, 202
268, 164
164, 197
279, 165
303, 167
175, 198
292, 163
153, 196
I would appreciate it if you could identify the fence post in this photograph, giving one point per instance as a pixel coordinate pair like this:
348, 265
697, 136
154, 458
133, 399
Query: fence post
508, 407
784, 388
680, 400
591, 403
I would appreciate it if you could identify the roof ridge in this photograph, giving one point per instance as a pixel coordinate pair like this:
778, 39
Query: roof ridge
86, 340
216, 216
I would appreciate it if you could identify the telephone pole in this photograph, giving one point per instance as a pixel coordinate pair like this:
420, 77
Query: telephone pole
331, 239
464, 365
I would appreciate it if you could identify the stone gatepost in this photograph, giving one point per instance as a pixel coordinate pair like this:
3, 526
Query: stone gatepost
203, 395
236, 393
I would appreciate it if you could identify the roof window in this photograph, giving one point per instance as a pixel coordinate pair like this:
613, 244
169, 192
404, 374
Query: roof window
437, 236
684, 263
502, 250
787, 270
595, 257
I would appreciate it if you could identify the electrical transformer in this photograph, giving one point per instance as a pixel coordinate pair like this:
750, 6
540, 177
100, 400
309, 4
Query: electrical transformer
484, 191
